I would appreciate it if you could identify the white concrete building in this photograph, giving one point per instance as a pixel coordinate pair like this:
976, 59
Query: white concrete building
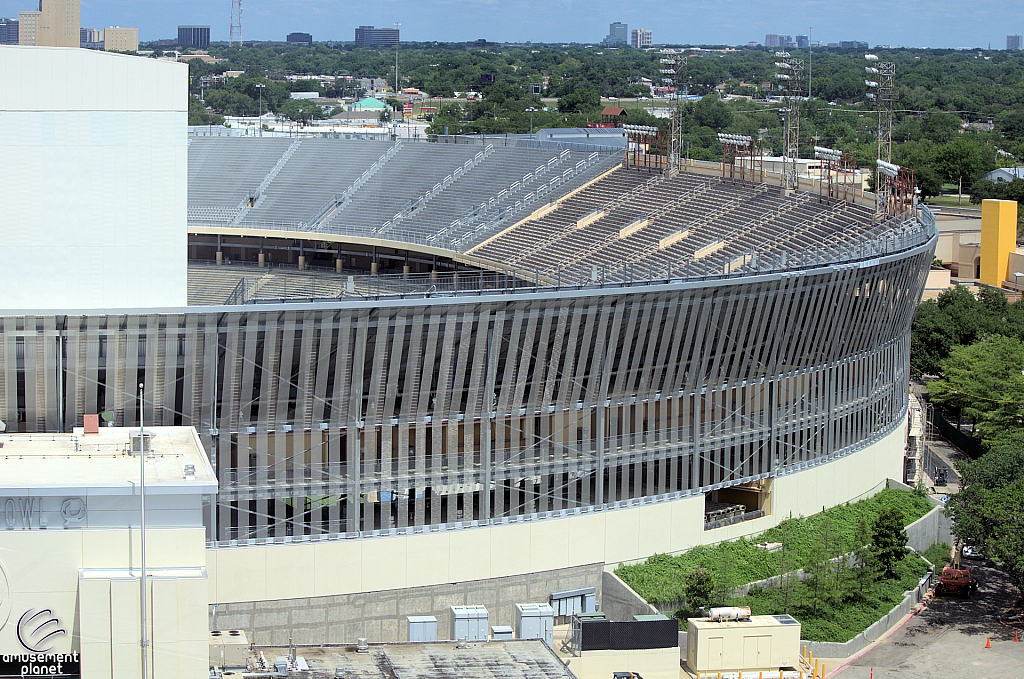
70, 550
94, 176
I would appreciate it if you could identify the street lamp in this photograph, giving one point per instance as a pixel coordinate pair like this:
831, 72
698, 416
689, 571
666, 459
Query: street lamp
260, 87
531, 110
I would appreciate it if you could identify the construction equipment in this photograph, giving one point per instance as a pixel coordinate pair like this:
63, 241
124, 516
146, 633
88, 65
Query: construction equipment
957, 578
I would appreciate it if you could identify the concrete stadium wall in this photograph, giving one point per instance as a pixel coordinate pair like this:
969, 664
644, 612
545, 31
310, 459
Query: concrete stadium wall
629, 534
381, 616
618, 600
339, 590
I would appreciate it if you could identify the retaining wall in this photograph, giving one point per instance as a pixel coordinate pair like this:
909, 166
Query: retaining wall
822, 649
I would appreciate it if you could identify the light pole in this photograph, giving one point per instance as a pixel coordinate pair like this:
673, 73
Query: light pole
397, 81
531, 110
144, 642
260, 87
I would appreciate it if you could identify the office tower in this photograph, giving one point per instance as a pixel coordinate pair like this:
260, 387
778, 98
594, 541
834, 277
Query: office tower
1014, 42
194, 36
8, 31
640, 38
773, 40
802, 41
305, 39
618, 35
368, 36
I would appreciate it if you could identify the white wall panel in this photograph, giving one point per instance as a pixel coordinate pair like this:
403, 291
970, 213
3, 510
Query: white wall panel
94, 178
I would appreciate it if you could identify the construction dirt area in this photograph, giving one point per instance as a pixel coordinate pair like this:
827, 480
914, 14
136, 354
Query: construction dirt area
948, 638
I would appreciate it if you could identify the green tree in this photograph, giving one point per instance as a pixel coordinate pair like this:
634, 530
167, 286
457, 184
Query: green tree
985, 381
198, 115
699, 587
709, 112
958, 161
889, 540
989, 509
580, 100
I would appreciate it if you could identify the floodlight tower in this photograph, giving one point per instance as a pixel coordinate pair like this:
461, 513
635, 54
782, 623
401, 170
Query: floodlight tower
881, 84
790, 76
673, 71
235, 33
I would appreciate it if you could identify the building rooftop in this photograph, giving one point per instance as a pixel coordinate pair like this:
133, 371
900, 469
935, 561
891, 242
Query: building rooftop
518, 659
101, 464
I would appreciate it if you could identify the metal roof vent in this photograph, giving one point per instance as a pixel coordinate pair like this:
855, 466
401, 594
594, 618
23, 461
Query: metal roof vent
141, 442
362, 646
461, 643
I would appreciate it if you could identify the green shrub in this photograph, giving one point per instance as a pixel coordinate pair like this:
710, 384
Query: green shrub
661, 578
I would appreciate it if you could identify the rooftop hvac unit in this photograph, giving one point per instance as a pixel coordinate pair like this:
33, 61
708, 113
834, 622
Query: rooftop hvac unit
501, 633
422, 628
535, 621
228, 648
469, 623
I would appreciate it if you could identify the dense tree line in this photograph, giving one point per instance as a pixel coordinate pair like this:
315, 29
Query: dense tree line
975, 347
946, 98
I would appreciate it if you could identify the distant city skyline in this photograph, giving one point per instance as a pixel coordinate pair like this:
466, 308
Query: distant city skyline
911, 23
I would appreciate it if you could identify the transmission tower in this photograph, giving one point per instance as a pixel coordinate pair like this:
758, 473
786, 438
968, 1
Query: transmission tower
235, 33
673, 71
790, 76
882, 91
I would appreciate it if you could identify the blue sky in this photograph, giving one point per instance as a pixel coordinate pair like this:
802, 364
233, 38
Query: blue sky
913, 23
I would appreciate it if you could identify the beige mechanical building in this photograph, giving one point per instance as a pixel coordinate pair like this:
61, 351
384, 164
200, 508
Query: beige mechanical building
117, 39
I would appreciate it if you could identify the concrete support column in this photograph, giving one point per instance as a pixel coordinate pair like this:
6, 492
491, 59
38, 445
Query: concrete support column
433, 275
220, 257
338, 262
373, 267
302, 262
406, 270
263, 260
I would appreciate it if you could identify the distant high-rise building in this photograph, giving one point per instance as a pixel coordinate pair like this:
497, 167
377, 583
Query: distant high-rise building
197, 37
58, 23
1014, 42
802, 41
773, 40
91, 39
853, 45
368, 36
640, 38
300, 39
618, 35
8, 31
117, 39
28, 27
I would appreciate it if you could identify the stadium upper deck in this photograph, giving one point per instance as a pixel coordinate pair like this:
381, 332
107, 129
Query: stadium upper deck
541, 217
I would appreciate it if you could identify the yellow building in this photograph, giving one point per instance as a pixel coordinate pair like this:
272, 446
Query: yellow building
28, 28
998, 240
59, 24
117, 39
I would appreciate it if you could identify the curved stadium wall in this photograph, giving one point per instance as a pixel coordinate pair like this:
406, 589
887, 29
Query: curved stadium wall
359, 416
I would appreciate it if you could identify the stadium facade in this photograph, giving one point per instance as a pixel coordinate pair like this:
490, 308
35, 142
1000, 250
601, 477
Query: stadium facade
423, 367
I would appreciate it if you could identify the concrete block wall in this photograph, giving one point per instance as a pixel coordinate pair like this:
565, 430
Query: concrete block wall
381, 616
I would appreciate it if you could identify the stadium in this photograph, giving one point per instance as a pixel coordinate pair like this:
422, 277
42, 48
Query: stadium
425, 371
